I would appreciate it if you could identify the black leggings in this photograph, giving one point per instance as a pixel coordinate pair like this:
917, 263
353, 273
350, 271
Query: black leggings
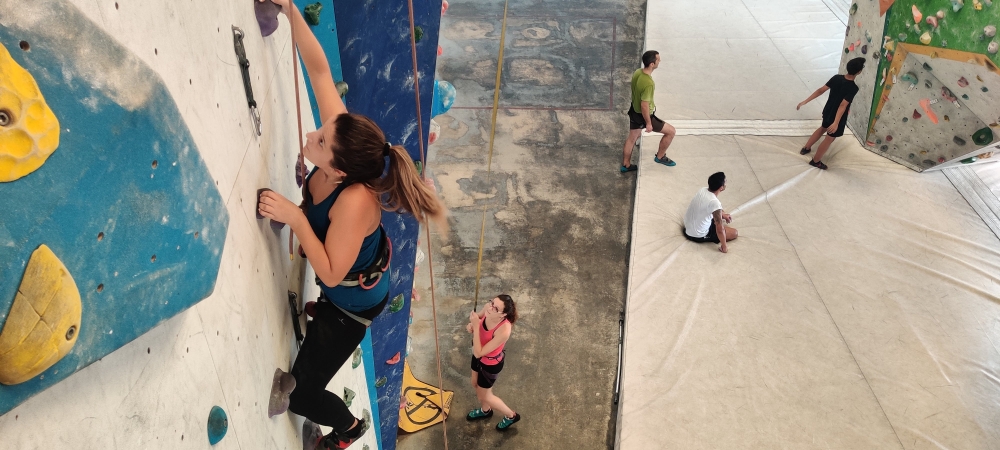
331, 338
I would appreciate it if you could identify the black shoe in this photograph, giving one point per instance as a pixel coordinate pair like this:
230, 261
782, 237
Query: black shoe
805, 151
629, 168
818, 164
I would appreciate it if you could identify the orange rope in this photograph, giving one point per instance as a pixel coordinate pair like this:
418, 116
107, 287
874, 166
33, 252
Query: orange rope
427, 229
298, 115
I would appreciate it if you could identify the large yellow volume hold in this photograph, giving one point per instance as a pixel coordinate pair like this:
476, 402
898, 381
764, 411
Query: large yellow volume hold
29, 131
44, 321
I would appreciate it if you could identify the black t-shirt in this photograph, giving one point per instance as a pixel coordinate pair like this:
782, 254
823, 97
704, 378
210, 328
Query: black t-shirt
840, 89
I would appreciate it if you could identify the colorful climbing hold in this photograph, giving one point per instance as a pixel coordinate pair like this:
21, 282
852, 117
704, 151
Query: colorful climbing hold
884, 148
946, 118
854, 8
911, 156
267, 16
906, 119
932, 20
990, 30
394, 359
969, 160
983, 136
965, 96
958, 140
928, 84
917, 15
940, 14
962, 82
993, 47
396, 304
956, 5
444, 6
926, 105
381, 382
984, 89
349, 397
888, 138
440, 51
928, 163
356, 358
927, 67
444, 97
916, 115
312, 13
940, 159
218, 424
418, 33
864, 49
342, 88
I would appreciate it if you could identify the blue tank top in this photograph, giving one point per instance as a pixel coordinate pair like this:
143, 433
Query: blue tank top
356, 298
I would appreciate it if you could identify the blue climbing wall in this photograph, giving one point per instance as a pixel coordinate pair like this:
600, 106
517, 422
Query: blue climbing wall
125, 201
377, 64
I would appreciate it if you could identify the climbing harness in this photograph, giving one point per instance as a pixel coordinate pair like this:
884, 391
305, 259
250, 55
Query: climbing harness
241, 55
371, 275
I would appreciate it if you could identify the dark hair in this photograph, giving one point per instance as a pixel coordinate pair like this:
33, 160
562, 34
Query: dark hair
649, 57
855, 65
359, 150
716, 181
509, 308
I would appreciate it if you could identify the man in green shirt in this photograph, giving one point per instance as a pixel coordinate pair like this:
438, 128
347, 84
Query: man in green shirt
641, 116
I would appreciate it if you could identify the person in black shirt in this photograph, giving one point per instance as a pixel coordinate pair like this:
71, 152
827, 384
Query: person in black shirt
842, 91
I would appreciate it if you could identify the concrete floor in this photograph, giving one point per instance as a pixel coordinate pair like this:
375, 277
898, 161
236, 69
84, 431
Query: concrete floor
558, 217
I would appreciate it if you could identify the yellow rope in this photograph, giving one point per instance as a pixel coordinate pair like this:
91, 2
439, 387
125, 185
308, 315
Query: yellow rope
489, 159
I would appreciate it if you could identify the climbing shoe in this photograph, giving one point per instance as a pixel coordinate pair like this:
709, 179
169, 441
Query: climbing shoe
629, 168
818, 164
805, 151
478, 413
506, 422
665, 161
342, 440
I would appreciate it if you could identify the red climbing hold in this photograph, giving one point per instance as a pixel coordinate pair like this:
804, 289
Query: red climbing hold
394, 359
916, 115
962, 82
888, 138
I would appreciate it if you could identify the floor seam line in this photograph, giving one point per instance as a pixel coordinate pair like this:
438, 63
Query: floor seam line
798, 257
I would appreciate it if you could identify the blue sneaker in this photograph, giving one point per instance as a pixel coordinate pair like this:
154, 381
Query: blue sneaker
506, 422
665, 161
478, 413
629, 168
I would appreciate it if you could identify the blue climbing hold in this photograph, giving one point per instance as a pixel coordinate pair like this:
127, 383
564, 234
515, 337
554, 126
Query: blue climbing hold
444, 97
217, 425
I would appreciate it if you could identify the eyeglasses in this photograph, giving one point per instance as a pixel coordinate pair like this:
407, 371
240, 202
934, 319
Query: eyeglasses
494, 307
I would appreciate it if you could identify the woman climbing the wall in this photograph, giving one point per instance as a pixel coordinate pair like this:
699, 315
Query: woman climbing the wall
490, 330
339, 228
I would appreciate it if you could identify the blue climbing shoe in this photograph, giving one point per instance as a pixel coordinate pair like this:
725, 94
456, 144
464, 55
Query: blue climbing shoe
478, 413
665, 161
506, 422
629, 168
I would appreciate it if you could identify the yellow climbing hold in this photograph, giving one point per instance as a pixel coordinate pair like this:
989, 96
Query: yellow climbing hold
925, 38
29, 131
44, 321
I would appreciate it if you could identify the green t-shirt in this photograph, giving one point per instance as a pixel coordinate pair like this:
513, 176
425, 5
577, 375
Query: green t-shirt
642, 91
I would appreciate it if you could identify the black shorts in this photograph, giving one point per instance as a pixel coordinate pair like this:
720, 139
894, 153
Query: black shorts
828, 120
636, 121
487, 374
712, 236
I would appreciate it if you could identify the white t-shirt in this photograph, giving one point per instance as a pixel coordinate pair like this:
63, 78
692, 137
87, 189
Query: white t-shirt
698, 217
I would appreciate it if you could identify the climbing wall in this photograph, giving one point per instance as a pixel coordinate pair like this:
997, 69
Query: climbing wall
864, 39
98, 167
935, 99
377, 58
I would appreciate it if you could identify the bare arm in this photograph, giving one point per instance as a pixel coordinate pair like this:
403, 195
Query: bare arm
349, 225
644, 106
840, 113
815, 94
720, 230
499, 337
313, 57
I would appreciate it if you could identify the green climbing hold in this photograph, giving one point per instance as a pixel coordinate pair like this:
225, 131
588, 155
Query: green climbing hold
396, 304
341, 88
906, 119
983, 137
356, 358
217, 425
958, 140
969, 160
985, 89
367, 417
312, 13
420, 166
965, 96
365, 447
854, 8
381, 382
418, 33
348, 397
927, 67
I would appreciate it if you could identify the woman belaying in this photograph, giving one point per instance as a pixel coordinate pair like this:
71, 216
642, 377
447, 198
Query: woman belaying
339, 228
490, 330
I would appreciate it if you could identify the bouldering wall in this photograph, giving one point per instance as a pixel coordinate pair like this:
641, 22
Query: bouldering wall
376, 56
864, 39
111, 221
935, 99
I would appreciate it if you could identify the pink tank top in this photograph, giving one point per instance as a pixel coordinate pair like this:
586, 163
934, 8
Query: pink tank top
485, 336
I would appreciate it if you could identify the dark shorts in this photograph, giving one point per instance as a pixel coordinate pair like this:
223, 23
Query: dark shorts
487, 374
828, 120
710, 237
636, 121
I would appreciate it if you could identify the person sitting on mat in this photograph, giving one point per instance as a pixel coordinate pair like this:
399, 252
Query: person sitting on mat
703, 221
838, 104
490, 330
339, 227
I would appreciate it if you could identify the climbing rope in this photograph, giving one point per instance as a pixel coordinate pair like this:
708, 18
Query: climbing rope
427, 228
489, 159
300, 165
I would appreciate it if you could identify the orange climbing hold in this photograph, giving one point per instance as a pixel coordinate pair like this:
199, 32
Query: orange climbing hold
917, 15
926, 105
